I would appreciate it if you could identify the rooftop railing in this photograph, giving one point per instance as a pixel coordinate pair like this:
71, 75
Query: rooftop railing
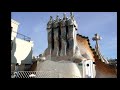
19, 35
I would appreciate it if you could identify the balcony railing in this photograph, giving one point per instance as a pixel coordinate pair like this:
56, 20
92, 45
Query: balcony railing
19, 35
40, 74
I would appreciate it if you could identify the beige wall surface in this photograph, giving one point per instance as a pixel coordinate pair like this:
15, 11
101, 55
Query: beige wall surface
14, 26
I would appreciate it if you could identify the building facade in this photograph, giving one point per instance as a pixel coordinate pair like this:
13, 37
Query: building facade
21, 49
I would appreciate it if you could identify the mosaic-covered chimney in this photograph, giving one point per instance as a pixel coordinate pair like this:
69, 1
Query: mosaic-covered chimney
62, 36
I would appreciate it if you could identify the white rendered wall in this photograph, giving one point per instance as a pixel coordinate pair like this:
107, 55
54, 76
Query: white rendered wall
14, 26
21, 51
65, 69
89, 71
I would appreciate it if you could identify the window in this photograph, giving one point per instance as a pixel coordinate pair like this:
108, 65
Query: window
87, 65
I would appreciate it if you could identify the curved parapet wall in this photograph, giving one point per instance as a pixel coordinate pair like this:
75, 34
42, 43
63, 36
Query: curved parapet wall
65, 69
21, 51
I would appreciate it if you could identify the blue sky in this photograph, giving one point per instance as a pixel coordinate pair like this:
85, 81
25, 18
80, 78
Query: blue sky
33, 24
